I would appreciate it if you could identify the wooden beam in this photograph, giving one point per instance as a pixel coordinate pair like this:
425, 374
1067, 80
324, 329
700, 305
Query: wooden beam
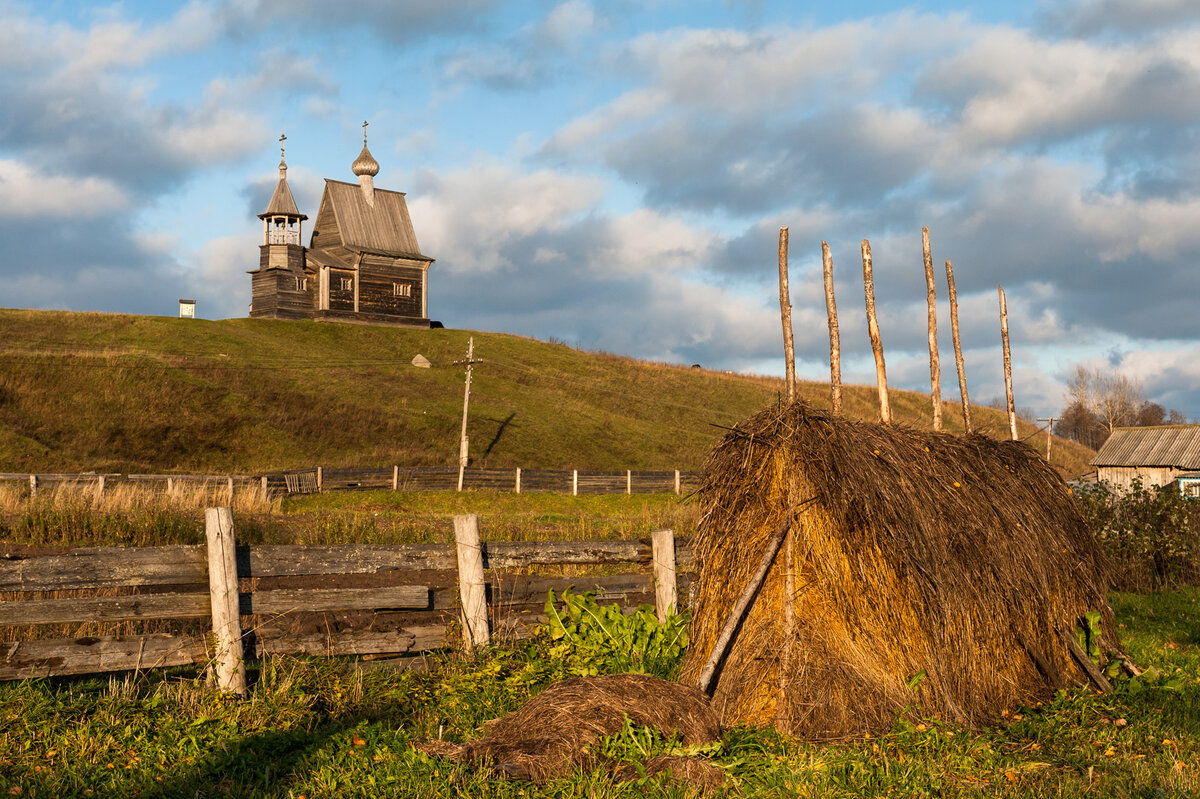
59, 657
228, 665
885, 411
958, 356
935, 366
835, 346
1008, 388
785, 315
665, 589
470, 580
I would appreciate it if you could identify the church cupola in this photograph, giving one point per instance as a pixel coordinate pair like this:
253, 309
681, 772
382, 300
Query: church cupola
365, 168
281, 220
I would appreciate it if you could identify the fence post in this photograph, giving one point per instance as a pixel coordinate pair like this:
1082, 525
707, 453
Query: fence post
170, 486
266, 496
100, 488
663, 557
320, 479
574, 482
33, 484
396, 478
628, 481
228, 664
677, 482
470, 580
231, 490
518, 479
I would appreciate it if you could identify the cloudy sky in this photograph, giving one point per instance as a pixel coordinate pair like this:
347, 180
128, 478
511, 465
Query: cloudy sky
614, 174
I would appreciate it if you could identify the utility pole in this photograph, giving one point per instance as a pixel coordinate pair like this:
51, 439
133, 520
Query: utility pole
462, 443
1049, 434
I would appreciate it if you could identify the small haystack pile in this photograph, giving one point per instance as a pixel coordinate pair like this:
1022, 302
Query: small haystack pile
960, 558
555, 733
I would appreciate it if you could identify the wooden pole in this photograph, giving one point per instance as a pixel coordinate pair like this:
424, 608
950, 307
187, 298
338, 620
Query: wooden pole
229, 660
320, 479
785, 314
958, 356
396, 477
678, 485
265, 495
789, 624
229, 485
99, 488
518, 479
665, 588
743, 603
835, 345
885, 411
1008, 390
935, 365
33, 486
1049, 434
463, 444
628, 481
574, 482
471, 586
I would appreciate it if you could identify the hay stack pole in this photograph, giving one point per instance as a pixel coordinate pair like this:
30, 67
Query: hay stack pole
835, 345
743, 603
885, 411
958, 357
1008, 392
935, 366
785, 313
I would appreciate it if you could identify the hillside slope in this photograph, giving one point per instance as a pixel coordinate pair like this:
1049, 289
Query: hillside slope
107, 392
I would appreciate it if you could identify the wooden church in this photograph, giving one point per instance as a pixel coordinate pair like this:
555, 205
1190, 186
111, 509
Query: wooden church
362, 264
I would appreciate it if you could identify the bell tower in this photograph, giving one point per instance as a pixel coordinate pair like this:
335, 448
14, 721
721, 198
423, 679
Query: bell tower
279, 287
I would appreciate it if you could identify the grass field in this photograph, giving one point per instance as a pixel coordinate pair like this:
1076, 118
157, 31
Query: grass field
110, 392
324, 728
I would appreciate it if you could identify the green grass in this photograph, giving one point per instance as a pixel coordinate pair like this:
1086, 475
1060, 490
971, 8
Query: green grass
321, 728
108, 392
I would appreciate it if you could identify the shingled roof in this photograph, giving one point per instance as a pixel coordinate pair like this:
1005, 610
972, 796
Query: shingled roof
1175, 445
384, 228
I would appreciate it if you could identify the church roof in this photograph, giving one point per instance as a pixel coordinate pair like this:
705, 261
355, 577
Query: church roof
384, 228
282, 203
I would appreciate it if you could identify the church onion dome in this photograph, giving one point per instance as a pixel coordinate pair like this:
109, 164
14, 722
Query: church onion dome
365, 164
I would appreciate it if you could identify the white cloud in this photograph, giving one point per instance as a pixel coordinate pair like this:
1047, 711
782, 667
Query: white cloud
24, 192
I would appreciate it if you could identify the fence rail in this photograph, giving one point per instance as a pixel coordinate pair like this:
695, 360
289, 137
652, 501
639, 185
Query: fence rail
397, 478
407, 595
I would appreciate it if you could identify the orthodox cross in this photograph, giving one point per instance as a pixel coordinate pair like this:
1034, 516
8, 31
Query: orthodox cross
282, 139
364, 133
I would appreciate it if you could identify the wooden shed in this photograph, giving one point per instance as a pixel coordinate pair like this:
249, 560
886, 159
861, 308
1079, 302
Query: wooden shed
1155, 456
363, 263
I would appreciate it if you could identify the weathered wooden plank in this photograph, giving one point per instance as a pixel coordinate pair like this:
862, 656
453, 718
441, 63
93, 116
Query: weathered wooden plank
512, 591
104, 567
364, 642
313, 600
63, 656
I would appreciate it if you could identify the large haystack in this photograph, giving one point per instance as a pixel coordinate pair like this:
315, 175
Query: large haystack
963, 558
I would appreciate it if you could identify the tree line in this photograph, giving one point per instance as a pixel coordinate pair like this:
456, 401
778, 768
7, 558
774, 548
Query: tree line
1098, 403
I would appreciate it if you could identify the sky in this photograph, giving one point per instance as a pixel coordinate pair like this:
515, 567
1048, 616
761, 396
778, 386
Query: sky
614, 174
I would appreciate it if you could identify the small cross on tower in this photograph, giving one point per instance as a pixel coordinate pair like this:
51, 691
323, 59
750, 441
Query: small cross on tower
365, 133
282, 139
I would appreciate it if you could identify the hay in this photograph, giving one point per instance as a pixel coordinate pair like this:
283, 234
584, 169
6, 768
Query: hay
554, 733
963, 558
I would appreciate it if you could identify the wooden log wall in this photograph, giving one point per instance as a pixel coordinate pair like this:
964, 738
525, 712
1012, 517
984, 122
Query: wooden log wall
295, 599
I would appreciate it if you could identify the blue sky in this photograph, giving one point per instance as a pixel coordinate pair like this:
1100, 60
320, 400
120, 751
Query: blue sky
615, 174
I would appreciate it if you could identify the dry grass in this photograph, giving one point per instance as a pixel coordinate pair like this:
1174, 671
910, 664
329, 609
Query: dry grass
930, 570
128, 497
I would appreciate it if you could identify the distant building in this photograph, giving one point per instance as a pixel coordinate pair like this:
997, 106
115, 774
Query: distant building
363, 263
1156, 456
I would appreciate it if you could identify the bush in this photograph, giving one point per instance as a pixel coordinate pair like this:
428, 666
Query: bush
1150, 534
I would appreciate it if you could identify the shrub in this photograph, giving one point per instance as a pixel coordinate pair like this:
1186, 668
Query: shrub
1150, 534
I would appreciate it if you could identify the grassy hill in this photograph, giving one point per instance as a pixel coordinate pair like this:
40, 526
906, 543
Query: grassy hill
107, 392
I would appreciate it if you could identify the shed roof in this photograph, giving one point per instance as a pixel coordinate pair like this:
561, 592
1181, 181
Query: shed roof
383, 228
1175, 445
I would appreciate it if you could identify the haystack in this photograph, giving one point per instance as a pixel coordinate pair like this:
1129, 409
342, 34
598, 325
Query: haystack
556, 732
927, 571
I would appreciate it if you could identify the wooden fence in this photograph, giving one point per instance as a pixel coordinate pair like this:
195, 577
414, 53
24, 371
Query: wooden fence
298, 599
396, 478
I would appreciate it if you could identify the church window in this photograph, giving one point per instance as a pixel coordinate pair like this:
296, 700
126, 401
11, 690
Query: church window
301, 284
347, 283
402, 289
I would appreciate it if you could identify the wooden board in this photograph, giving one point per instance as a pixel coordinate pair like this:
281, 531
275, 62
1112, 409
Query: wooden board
197, 605
365, 642
62, 656
104, 567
